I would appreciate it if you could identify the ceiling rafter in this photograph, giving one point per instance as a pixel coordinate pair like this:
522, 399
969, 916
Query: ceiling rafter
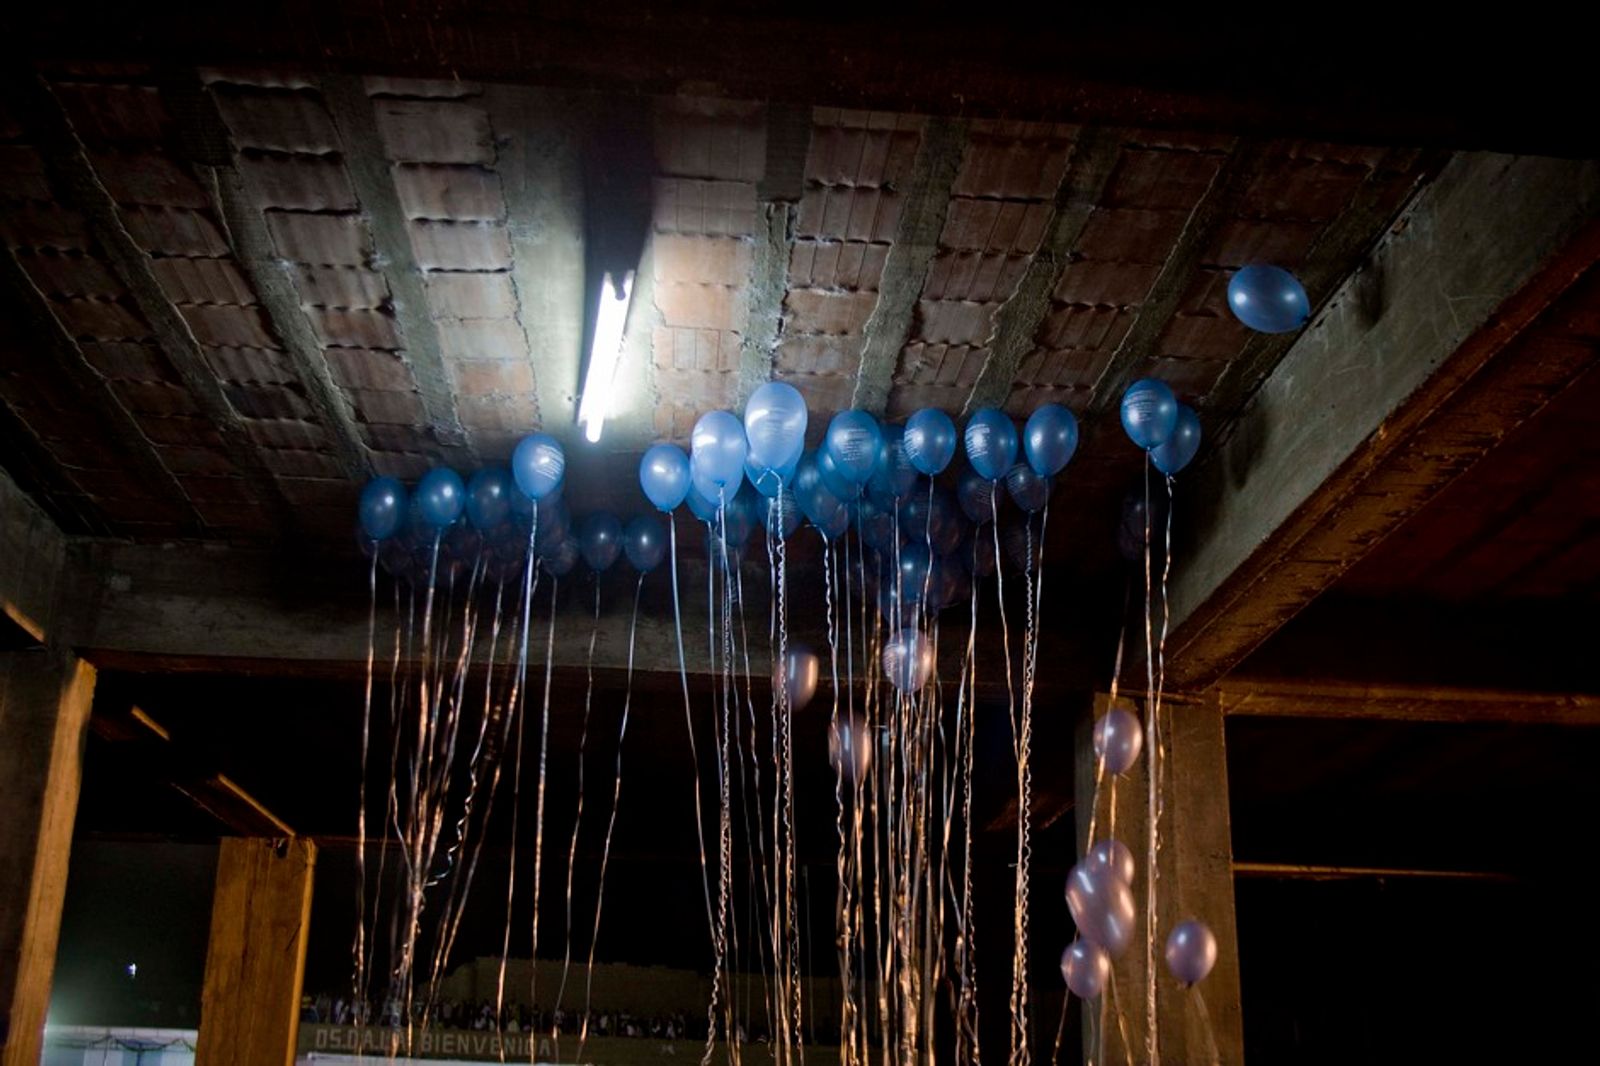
1219, 203
211, 152
33, 307
1017, 324
777, 196
373, 178
916, 239
78, 183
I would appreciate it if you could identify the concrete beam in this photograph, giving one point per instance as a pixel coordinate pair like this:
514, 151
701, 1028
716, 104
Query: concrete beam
44, 714
209, 147
32, 559
779, 191
1093, 158
541, 177
1011, 63
33, 309
367, 162
927, 200
1262, 698
1394, 390
80, 186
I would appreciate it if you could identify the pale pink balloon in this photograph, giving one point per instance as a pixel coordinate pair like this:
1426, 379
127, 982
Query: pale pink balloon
1113, 855
1191, 951
1118, 739
1102, 906
1087, 968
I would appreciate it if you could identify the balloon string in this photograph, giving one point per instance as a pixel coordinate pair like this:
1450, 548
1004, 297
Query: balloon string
967, 1020
1214, 1054
611, 826
577, 818
1152, 768
359, 949
538, 808
517, 708
688, 717
490, 749
842, 899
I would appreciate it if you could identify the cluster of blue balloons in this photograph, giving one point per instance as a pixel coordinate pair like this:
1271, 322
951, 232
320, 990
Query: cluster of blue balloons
493, 516
859, 459
877, 478
1167, 430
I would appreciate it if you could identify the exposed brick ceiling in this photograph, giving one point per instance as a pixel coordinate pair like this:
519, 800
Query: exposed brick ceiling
233, 294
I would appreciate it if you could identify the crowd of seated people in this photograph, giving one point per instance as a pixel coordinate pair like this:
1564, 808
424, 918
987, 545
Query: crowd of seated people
328, 1009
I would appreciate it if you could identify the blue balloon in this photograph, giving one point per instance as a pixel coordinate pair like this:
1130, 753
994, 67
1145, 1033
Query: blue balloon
538, 465
703, 500
645, 543
664, 476
440, 497
914, 567
1149, 411
382, 508
555, 519
561, 558
600, 540
1049, 439
781, 514
1028, 489
1174, 453
1268, 299
717, 447
892, 475
991, 442
489, 495
932, 520
837, 481
810, 491
877, 526
775, 426
770, 480
739, 517
977, 497
930, 440
833, 525
852, 444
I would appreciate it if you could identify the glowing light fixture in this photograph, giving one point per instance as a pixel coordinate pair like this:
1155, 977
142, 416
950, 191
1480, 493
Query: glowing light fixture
610, 317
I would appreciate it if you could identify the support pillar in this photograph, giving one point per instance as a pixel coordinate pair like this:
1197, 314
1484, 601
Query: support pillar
250, 1007
45, 698
1194, 879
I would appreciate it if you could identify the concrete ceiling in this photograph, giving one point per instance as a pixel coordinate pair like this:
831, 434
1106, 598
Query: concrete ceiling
235, 293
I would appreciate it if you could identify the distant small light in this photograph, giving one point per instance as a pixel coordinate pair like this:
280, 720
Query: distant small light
133, 969
610, 318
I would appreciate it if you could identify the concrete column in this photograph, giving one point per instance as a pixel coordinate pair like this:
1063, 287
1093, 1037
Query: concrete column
1194, 879
44, 712
250, 1007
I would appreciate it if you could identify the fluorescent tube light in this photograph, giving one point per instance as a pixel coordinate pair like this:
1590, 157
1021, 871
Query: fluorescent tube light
610, 317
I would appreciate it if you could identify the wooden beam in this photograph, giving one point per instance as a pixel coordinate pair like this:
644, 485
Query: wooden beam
32, 307
1393, 391
1194, 879
140, 738
1093, 158
1246, 697
209, 147
367, 162
45, 698
922, 214
256, 957
32, 559
80, 186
